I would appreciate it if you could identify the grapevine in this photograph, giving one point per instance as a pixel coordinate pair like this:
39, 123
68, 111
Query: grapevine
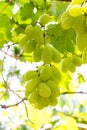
42, 84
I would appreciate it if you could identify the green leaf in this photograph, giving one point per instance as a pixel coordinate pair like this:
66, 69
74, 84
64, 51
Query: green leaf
27, 11
5, 27
62, 39
58, 8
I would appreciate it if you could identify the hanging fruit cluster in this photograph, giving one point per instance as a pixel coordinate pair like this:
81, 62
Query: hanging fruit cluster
42, 84
75, 17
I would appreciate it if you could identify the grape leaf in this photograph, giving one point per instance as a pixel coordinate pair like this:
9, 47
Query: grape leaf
62, 39
27, 11
5, 27
58, 8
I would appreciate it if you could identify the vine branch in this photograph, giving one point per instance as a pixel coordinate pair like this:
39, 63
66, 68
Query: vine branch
81, 92
16, 104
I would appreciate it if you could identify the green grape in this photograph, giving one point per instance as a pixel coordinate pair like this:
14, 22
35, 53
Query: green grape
29, 31
79, 24
84, 56
54, 88
38, 105
45, 72
38, 35
75, 10
56, 74
44, 19
46, 55
32, 84
37, 54
53, 101
64, 65
72, 66
30, 46
44, 90
44, 101
33, 97
76, 60
23, 40
67, 20
27, 93
28, 75
67, 64
56, 55
34, 33
81, 41
64, 15
84, 7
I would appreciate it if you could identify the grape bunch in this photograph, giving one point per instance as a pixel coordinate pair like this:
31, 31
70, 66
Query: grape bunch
42, 84
70, 63
75, 17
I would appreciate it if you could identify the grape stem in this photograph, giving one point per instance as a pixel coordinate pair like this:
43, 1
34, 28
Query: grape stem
73, 93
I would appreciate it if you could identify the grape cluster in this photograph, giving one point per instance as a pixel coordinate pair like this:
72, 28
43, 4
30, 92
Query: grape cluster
75, 17
70, 63
42, 84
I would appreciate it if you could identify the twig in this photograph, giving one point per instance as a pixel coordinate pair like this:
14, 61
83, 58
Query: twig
7, 54
24, 104
73, 93
8, 106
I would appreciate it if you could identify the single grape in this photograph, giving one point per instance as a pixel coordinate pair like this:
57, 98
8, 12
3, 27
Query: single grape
56, 74
44, 90
46, 55
44, 101
84, 7
28, 75
53, 101
38, 35
56, 56
67, 20
81, 41
79, 24
30, 46
23, 40
72, 66
32, 84
29, 31
54, 88
33, 97
76, 60
75, 10
45, 72
64, 65
37, 54
44, 19
84, 56
27, 93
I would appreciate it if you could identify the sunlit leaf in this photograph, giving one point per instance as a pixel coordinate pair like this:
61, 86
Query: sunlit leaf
63, 40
